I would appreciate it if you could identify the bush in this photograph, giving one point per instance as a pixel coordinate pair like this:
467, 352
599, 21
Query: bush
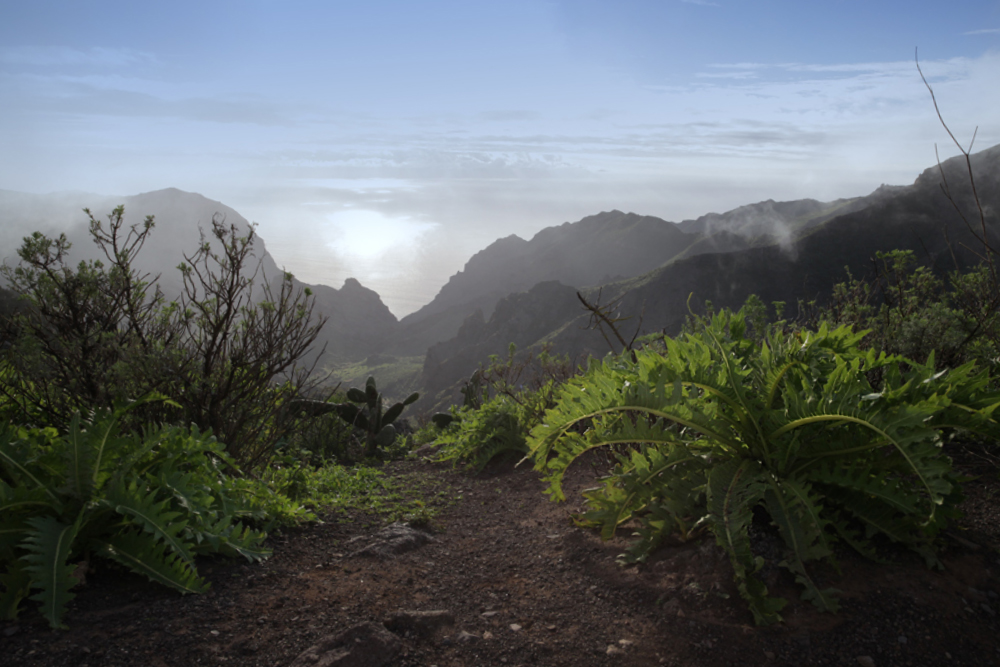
503, 402
911, 312
720, 425
149, 503
226, 351
477, 435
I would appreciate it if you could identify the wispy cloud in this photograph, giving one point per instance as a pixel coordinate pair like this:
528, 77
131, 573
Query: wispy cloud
703, 3
984, 31
49, 56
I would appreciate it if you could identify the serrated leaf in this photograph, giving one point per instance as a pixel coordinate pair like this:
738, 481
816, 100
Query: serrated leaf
48, 544
140, 505
142, 554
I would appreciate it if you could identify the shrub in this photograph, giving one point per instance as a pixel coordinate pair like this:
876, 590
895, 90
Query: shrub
150, 504
365, 411
226, 351
910, 311
477, 435
720, 425
503, 402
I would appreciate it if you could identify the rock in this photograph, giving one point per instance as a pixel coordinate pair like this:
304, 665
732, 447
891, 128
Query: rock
420, 623
364, 645
515, 627
394, 539
465, 637
672, 606
613, 650
866, 661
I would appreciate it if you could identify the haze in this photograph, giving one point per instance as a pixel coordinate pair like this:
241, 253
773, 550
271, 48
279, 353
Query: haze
388, 141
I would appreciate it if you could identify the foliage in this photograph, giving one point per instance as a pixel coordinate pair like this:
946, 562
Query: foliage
502, 403
87, 335
241, 343
325, 437
150, 503
226, 351
364, 410
910, 311
720, 425
478, 435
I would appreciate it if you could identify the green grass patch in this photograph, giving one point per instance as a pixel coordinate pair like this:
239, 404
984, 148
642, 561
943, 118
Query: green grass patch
397, 376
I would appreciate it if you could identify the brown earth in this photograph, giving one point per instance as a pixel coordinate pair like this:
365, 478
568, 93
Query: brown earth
527, 587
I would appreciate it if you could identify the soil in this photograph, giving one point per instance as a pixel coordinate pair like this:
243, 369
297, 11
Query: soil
527, 587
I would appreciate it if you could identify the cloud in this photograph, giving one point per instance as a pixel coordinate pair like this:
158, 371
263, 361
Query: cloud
461, 177
703, 3
52, 56
984, 31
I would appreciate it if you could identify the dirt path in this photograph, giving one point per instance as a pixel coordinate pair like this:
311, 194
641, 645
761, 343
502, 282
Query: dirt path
526, 587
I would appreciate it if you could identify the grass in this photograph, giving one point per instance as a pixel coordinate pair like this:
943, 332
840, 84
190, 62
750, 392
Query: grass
397, 376
336, 493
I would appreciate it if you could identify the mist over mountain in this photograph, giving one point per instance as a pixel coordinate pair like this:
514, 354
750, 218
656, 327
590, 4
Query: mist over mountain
524, 291
358, 324
823, 240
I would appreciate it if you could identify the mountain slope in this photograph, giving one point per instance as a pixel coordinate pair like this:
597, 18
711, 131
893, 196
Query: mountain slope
597, 249
358, 320
813, 259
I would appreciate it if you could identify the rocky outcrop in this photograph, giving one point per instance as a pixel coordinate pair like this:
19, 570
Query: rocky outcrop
592, 251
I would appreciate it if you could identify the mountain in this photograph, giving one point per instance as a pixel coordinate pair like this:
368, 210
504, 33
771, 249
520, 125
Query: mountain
358, 324
595, 250
822, 241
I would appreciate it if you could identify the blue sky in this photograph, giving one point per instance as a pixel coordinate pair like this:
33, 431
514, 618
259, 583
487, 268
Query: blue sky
390, 140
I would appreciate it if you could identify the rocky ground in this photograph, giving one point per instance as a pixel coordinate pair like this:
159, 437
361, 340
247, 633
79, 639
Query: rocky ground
504, 578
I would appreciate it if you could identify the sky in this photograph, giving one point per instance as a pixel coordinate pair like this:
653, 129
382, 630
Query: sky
389, 141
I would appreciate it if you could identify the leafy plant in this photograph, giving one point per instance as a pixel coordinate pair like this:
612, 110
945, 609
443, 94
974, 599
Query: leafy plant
226, 352
719, 425
150, 503
476, 436
910, 311
522, 389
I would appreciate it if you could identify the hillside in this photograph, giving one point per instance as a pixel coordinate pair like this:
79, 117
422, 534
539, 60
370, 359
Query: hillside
358, 320
597, 249
804, 267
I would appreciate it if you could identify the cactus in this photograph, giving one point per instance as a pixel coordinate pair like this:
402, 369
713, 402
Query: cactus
442, 419
474, 392
365, 412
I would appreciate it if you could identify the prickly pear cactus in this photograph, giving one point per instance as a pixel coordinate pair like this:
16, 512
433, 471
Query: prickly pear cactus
365, 411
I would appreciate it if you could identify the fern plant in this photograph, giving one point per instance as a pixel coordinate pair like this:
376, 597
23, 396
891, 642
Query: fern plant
719, 424
151, 504
477, 435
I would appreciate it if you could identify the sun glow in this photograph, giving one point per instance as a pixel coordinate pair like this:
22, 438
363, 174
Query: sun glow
370, 234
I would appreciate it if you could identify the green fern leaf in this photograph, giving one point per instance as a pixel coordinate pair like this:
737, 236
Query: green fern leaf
796, 512
139, 504
231, 539
144, 555
734, 488
48, 545
79, 453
